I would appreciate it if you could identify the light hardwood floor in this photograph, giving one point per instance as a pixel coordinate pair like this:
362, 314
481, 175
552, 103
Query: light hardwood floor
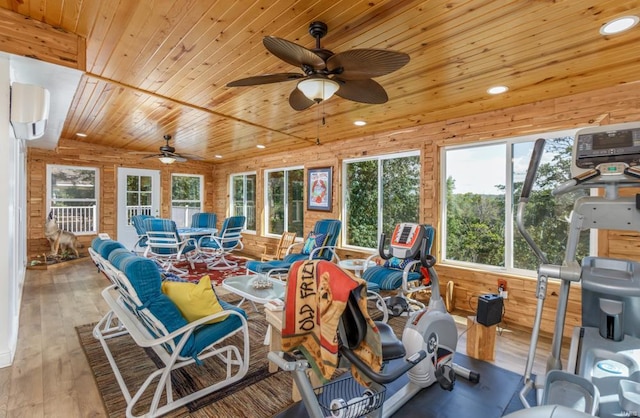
50, 376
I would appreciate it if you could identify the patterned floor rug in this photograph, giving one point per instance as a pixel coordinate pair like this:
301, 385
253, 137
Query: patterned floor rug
217, 276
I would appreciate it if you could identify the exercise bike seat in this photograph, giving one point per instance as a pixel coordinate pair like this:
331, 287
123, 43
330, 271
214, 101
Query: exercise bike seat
353, 329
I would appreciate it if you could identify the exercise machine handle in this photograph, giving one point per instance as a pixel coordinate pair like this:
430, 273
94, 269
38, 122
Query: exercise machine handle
381, 245
534, 163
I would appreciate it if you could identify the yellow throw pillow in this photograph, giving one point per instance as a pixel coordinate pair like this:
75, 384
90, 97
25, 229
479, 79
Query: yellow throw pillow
194, 301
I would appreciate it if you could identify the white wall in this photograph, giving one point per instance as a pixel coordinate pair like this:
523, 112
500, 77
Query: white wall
12, 222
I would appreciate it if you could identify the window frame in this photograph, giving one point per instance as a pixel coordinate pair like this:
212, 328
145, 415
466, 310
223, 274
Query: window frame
345, 188
244, 196
200, 191
96, 187
510, 206
265, 224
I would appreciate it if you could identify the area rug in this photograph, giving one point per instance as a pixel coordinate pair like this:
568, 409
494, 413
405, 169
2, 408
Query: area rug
259, 394
217, 276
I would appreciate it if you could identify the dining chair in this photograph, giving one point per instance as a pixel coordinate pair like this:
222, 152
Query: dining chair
138, 224
165, 245
203, 220
215, 248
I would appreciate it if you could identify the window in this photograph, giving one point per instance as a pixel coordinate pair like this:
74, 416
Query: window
243, 198
481, 189
284, 206
186, 198
379, 193
72, 198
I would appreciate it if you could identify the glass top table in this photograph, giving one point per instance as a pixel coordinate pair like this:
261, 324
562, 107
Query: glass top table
252, 287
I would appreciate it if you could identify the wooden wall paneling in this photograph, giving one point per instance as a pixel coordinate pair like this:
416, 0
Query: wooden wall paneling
107, 160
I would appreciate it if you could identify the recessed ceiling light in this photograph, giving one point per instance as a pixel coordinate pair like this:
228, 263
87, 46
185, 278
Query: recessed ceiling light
260, 146
218, 156
81, 134
359, 123
618, 25
497, 89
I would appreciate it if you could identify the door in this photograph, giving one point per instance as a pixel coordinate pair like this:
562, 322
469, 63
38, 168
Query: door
138, 194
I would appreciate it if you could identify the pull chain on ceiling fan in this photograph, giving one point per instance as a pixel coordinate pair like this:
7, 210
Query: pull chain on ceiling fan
346, 74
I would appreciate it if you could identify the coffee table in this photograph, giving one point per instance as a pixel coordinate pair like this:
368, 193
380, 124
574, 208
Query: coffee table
245, 287
357, 265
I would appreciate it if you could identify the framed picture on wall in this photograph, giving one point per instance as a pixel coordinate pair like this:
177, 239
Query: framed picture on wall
319, 189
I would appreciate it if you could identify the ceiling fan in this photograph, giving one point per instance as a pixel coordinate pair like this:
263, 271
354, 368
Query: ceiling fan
168, 154
347, 74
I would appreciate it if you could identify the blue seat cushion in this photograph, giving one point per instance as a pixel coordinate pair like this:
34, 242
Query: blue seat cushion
105, 246
118, 255
266, 266
292, 258
208, 334
387, 278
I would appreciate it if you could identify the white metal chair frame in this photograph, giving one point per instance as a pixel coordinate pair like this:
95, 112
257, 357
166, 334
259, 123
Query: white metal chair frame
168, 240
128, 317
216, 257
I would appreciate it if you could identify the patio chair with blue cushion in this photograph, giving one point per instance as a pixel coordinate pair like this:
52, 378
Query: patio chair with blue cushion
400, 273
203, 220
166, 246
319, 244
215, 248
183, 323
138, 224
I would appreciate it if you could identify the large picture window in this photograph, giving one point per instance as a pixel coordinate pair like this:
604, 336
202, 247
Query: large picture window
186, 198
243, 198
284, 204
481, 188
72, 194
379, 193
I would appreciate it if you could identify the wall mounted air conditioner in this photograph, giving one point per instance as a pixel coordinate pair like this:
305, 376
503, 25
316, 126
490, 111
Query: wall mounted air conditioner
29, 110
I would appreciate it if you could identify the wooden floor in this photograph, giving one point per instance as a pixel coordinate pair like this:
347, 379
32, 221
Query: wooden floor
50, 376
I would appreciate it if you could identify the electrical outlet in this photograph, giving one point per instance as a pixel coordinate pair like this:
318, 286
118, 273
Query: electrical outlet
503, 294
502, 285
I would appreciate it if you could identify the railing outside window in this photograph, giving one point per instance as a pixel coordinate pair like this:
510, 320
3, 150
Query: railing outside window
77, 219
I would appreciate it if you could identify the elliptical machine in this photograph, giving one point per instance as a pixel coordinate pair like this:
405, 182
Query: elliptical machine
603, 372
429, 338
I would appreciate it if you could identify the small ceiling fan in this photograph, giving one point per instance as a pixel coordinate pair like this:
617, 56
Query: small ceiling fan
168, 154
347, 74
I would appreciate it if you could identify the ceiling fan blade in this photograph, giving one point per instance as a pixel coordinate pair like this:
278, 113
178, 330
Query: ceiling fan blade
363, 91
265, 79
293, 54
299, 101
360, 64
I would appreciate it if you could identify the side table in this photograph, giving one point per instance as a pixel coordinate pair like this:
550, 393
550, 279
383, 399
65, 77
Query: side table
481, 340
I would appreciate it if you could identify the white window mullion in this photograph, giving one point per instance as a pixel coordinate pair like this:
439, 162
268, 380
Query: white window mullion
508, 208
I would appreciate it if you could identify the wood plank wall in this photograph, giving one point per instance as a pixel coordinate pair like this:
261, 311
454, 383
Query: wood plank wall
608, 106
614, 105
107, 160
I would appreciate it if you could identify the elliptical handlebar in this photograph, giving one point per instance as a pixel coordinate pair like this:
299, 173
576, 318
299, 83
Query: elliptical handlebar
534, 163
381, 245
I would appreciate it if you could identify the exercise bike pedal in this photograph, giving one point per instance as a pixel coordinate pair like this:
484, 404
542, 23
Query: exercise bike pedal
446, 377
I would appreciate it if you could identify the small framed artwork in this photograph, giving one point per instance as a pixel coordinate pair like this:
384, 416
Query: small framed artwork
319, 189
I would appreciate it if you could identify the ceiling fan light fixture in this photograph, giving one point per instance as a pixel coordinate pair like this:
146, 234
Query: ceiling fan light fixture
318, 88
167, 160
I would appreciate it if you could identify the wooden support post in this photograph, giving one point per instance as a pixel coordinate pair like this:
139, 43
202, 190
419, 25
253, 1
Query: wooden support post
481, 340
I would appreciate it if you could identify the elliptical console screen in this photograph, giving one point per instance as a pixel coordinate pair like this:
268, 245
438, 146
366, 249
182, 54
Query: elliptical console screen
607, 146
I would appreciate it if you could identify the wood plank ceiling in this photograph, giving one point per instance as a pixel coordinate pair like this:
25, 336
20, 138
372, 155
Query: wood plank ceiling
156, 67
